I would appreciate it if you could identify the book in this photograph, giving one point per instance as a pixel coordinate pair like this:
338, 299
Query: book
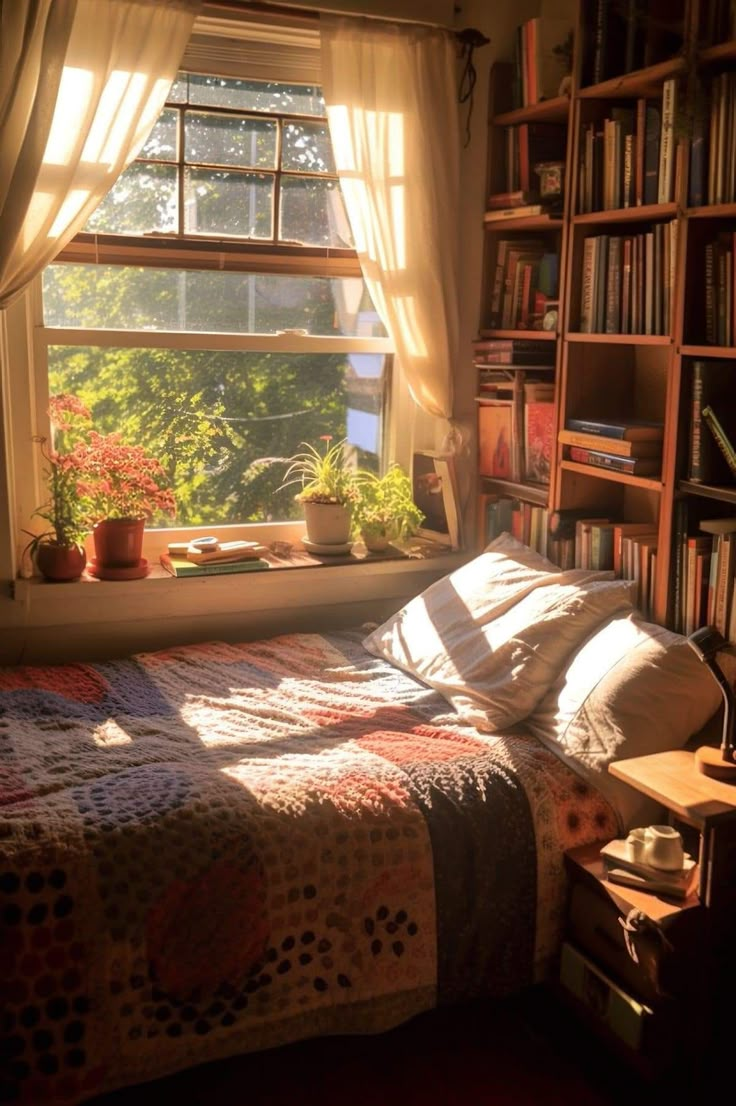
180, 566
711, 386
724, 443
628, 530
655, 885
496, 439
628, 430
634, 466
562, 521
539, 436
519, 198
616, 855
617, 446
523, 211
718, 525
226, 551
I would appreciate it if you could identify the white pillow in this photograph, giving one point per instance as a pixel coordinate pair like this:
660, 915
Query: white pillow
633, 688
492, 636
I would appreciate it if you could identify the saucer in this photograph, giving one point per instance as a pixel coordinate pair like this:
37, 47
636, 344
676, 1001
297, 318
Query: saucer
130, 572
323, 549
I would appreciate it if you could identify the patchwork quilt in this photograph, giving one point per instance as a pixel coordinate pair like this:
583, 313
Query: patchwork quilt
220, 848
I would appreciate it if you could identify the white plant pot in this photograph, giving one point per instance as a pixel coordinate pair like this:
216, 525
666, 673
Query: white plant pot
327, 523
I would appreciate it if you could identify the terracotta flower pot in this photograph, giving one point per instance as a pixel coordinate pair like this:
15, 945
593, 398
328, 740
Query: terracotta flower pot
60, 563
119, 542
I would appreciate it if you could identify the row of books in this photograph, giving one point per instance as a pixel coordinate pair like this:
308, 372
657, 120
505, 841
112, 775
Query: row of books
516, 428
717, 22
712, 430
628, 158
628, 446
706, 563
720, 288
621, 36
628, 281
713, 142
629, 549
527, 522
542, 57
525, 281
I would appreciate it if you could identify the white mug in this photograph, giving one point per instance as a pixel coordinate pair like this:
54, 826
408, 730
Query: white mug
663, 848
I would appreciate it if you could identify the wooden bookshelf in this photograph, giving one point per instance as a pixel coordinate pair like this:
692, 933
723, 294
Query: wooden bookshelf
619, 371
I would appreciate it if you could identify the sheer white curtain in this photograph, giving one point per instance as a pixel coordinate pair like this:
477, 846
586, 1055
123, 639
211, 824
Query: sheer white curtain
81, 85
392, 108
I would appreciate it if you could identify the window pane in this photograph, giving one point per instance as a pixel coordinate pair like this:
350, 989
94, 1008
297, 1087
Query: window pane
307, 146
222, 202
288, 99
224, 140
161, 143
313, 213
122, 297
143, 200
221, 423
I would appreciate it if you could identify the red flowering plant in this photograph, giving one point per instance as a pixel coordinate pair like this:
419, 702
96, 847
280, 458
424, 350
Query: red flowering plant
117, 480
65, 510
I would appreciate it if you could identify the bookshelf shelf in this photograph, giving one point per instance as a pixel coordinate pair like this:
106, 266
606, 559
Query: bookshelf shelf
712, 55
643, 482
712, 211
708, 491
548, 111
643, 82
530, 493
537, 335
620, 339
527, 222
644, 213
722, 353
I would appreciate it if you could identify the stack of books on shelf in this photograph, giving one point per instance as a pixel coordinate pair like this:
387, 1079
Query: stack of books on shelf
712, 431
621, 868
628, 446
524, 283
633, 156
628, 282
525, 521
704, 567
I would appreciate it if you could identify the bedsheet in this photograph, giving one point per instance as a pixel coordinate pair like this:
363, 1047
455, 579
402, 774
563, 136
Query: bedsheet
223, 847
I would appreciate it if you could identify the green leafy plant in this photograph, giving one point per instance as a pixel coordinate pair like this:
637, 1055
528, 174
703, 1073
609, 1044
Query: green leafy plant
385, 507
324, 477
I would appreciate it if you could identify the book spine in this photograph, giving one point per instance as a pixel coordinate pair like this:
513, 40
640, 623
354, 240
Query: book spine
606, 429
696, 429
602, 460
613, 288
639, 147
651, 154
586, 306
666, 150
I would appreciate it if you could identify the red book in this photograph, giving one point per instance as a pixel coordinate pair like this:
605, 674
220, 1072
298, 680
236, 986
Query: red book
539, 436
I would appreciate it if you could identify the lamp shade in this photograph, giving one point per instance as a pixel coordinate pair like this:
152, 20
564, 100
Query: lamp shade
718, 763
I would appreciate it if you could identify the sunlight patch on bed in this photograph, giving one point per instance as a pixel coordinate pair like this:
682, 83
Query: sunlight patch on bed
110, 734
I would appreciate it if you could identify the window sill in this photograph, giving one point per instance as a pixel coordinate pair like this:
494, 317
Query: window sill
90, 618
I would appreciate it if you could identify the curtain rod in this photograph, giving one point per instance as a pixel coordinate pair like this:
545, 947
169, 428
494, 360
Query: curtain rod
305, 16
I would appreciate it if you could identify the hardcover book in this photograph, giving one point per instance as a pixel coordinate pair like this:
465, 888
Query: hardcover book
634, 466
628, 430
179, 566
618, 446
539, 435
712, 386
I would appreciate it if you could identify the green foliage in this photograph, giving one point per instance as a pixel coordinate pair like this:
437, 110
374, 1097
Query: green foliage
326, 477
385, 506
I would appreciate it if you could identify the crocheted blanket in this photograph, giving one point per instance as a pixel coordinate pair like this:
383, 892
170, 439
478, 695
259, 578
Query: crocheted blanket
221, 848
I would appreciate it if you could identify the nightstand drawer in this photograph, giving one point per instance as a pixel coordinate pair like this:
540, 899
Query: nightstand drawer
594, 925
612, 1007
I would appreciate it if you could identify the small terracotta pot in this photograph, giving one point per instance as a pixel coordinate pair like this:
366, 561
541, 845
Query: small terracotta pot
119, 542
60, 563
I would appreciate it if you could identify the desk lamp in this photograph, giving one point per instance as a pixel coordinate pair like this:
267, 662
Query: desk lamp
716, 762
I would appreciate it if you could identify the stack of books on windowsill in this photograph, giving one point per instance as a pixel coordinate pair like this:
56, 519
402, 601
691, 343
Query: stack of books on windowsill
183, 559
620, 868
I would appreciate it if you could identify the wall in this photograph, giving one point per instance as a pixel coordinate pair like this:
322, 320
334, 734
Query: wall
51, 622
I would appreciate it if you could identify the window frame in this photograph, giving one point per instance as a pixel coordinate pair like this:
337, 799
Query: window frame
206, 253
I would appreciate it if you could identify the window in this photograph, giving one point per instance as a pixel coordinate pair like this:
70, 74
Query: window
213, 310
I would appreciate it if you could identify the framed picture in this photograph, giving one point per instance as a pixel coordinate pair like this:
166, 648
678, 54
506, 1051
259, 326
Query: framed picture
435, 494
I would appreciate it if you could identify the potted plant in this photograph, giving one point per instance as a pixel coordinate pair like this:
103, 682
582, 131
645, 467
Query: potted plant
385, 510
58, 552
327, 490
123, 488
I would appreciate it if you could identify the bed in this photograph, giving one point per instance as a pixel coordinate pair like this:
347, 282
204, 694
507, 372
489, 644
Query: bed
224, 847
